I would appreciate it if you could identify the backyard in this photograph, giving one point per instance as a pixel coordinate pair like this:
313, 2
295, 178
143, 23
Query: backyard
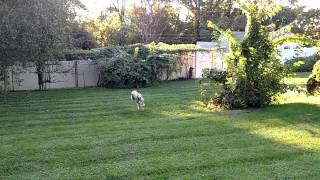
97, 133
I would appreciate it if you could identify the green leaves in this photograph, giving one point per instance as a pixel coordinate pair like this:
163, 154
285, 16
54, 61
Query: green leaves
293, 38
313, 84
254, 73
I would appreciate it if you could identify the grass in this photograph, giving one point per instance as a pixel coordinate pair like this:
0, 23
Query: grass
98, 134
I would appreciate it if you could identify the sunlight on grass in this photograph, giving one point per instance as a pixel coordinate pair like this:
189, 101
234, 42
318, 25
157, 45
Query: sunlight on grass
295, 97
305, 135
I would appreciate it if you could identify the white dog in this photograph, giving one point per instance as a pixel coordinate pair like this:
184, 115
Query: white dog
137, 98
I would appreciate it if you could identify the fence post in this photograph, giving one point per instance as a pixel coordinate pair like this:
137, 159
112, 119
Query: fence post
12, 79
5, 79
76, 73
195, 64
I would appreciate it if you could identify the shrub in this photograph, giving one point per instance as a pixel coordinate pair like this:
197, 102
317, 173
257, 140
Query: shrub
302, 64
214, 75
122, 71
163, 65
313, 84
254, 75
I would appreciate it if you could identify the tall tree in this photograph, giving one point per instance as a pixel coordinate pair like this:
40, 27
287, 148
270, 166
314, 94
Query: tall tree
308, 22
254, 73
147, 18
218, 11
35, 31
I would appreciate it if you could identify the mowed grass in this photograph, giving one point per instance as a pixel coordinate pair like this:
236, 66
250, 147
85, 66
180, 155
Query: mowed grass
99, 134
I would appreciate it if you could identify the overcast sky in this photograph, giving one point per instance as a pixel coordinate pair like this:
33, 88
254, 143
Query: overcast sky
96, 6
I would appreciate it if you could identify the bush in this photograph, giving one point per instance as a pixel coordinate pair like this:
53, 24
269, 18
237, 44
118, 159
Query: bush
163, 65
302, 64
255, 74
313, 84
122, 71
214, 75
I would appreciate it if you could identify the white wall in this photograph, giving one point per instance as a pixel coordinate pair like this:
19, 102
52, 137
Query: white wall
289, 51
208, 59
62, 75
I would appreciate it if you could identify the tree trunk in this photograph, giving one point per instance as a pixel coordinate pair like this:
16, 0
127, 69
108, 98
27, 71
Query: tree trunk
4, 72
40, 73
197, 26
76, 75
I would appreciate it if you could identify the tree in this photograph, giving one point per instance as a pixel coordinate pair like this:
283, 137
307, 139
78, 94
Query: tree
308, 22
285, 17
313, 84
35, 31
254, 73
82, 39
147, 19
221, 12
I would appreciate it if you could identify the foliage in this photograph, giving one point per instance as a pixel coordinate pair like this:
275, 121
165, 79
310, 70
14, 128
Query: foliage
133, 66
313, 84
215, 75
254, 73
163, 65
122, 71
106, 30
220, 12
125, 22
286, 16
143, 50
81, 39
35, 31
308, 22
302, 64
148, 20
93, 54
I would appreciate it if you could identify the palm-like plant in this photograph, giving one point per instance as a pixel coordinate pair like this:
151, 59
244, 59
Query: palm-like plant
254, 71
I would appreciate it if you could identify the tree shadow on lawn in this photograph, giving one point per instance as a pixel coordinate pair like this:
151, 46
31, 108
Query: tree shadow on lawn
281, 141
292, 123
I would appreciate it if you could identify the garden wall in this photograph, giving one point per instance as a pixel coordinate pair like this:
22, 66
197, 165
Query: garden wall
65, 74
85, 73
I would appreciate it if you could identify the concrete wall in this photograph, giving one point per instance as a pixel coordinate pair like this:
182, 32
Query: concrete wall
65, 74
208, 59
289, 51
73, 74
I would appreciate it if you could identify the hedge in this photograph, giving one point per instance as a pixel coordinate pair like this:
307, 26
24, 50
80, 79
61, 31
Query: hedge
302, 64
140, 50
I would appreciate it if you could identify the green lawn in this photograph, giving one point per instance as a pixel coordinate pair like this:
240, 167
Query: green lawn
98, 134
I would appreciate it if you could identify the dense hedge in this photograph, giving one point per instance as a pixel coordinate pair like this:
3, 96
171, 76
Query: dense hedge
94, 54
139, 50
134, 65
313, 84
214, 75
123, 71
302, 64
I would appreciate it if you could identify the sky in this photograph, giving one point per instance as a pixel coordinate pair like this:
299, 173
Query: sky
96, 6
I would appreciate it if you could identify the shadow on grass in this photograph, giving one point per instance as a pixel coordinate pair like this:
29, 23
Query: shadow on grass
267, 138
